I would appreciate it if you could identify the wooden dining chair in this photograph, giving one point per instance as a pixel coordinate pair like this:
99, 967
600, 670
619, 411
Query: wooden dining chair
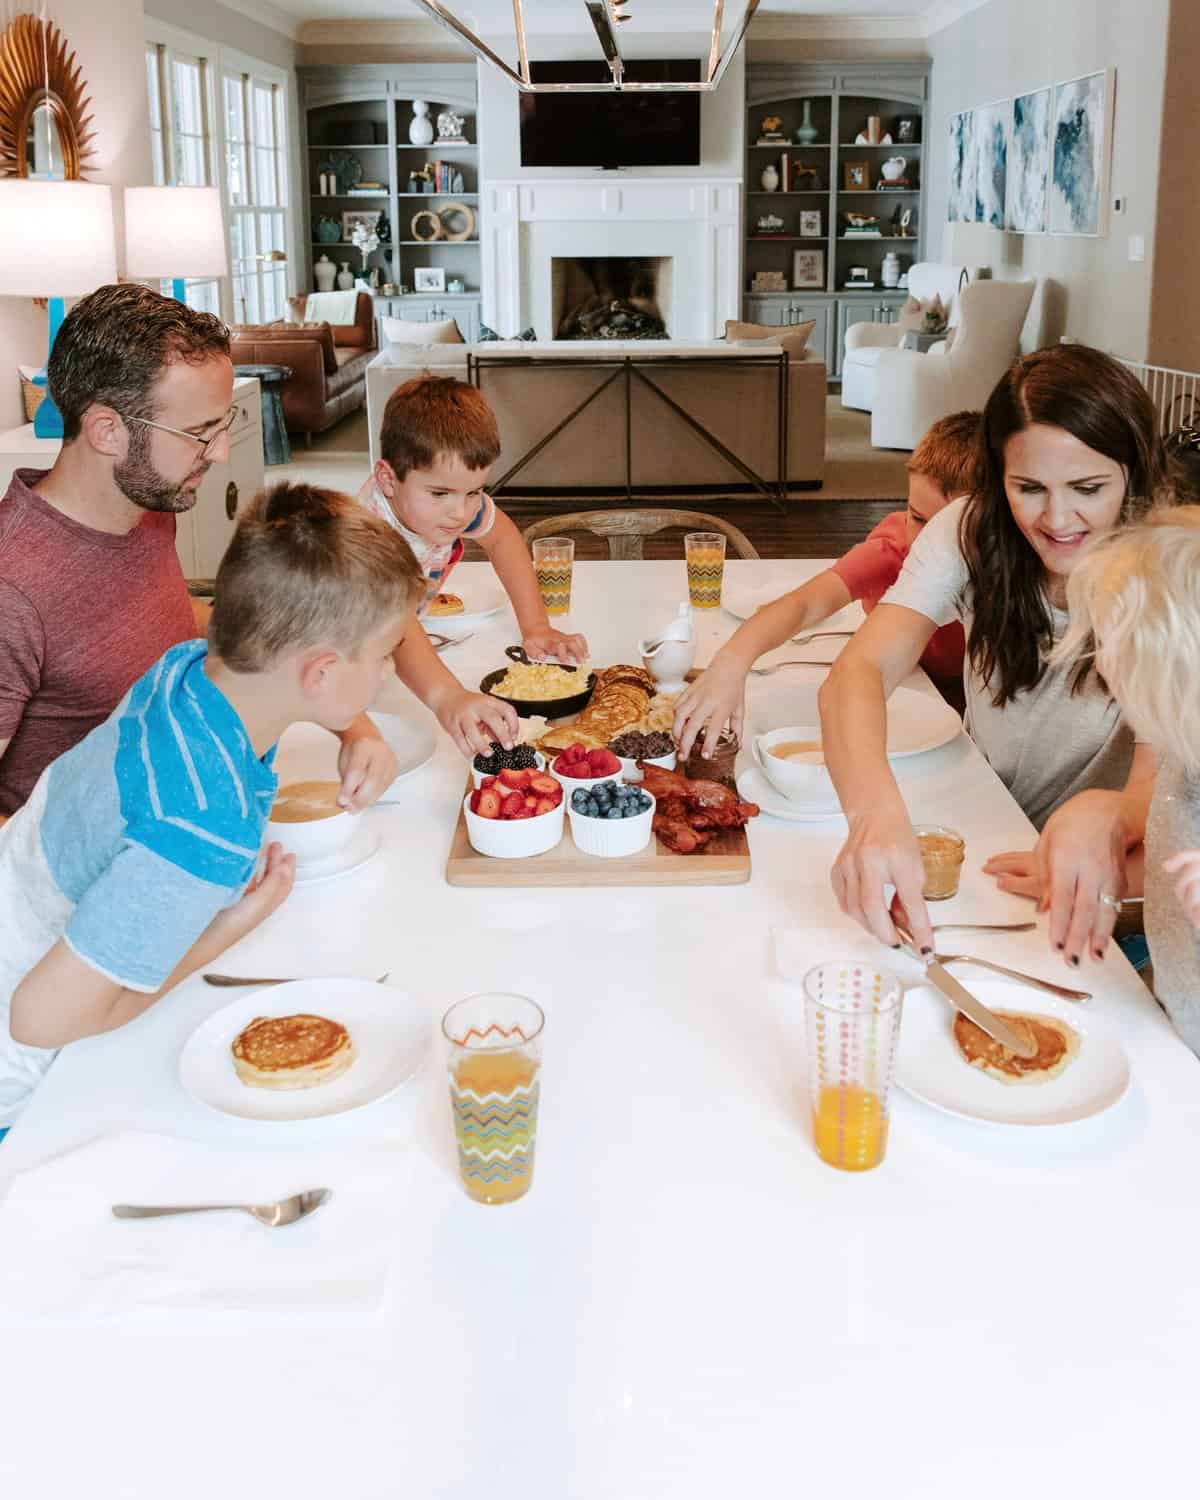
627, 530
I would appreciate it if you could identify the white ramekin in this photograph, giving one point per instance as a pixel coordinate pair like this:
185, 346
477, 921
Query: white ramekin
514, 838
611, 838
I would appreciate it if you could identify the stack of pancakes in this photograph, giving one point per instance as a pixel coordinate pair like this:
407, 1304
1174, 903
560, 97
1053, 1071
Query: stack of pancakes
620, 699
291, 1052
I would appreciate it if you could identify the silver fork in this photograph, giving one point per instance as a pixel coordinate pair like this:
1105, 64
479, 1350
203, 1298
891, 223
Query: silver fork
795, 662
1040, 984
820, 635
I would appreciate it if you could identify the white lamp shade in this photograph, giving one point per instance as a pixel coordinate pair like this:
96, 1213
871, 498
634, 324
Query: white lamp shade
173, 232
56, 238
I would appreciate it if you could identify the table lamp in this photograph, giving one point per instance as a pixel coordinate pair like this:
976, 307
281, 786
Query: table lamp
56, 241
172, 233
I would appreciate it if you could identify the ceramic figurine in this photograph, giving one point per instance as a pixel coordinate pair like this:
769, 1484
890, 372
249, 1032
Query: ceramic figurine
450, 127
420, 130
770, 177
807, 132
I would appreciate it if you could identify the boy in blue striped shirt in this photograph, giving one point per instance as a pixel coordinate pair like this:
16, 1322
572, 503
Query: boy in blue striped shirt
132, 864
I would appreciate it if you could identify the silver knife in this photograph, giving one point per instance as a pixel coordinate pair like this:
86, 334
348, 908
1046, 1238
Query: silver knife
962, 999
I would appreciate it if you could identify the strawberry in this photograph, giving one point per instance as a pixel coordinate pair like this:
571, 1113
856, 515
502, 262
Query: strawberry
512, 804
489, 803
515, 781
576, 752
526, 812
531, 801
474, 802
487, 783
543, 785
598, 762
544, 805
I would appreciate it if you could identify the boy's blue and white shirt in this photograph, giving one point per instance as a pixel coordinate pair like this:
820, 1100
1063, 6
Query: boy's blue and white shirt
130, 844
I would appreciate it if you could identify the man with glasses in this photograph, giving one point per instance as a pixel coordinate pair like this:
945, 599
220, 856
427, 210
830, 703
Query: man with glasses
91, 591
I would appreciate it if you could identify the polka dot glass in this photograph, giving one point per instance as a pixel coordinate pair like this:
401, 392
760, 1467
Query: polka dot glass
852, 1013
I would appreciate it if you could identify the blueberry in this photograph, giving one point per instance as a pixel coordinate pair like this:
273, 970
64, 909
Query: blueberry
591, 808
613, 812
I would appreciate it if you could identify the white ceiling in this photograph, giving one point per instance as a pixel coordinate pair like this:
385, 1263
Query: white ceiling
495, 16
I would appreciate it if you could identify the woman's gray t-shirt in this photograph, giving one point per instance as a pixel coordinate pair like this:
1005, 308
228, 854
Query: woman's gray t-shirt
1046, 744
1173, 825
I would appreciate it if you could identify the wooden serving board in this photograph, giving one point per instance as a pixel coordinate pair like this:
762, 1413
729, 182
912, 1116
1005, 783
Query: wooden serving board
724, 860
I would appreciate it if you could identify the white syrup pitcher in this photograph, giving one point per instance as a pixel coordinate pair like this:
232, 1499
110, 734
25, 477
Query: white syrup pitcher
669, 656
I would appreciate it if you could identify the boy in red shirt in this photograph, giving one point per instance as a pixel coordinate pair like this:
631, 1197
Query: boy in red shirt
941, 468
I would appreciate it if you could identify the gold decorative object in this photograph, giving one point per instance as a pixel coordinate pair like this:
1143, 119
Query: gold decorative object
34, 54
465, 213
427, 219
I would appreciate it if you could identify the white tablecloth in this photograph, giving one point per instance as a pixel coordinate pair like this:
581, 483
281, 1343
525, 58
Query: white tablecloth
688, 1304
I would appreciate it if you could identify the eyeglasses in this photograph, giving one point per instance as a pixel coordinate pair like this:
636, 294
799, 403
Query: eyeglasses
206, 444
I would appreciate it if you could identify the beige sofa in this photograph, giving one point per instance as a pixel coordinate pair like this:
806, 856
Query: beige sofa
735, 401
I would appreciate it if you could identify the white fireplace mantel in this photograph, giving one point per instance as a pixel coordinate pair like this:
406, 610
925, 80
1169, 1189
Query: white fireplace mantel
695, 222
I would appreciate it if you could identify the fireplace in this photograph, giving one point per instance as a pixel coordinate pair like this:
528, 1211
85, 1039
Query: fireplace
611, 296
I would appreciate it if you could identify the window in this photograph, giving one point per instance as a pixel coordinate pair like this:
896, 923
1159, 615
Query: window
217, 117
256, 194
178, 92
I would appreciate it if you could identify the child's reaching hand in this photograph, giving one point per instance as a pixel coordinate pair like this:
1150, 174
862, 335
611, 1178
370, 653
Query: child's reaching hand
544, 641
1186, 864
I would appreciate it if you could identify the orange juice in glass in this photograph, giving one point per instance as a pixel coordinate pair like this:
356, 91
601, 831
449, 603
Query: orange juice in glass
853, 1025
494, 1063
553, 562
704, 552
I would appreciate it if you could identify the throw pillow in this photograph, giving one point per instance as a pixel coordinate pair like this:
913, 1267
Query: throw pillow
790, 336
401, 331
921, 317
490, 336
295, 309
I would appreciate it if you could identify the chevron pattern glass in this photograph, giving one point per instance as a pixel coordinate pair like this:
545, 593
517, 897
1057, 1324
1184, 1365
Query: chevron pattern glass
853, 1025
495, 1064
553, 562
705, 555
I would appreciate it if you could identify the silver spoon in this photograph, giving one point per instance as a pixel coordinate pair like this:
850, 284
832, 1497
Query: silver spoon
235, 981
273, 1215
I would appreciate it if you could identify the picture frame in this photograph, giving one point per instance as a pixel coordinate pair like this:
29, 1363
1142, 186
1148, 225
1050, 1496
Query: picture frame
856, 176
1081, 125
429, 279
810, 224
352, 217
808, 270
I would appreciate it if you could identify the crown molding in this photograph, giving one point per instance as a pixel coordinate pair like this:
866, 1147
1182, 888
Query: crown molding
770, 27
376, 33
267, 15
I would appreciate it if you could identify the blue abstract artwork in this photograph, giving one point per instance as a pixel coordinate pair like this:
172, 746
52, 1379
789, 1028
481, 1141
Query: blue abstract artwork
1028, 163
991, 146
963, 169
1077, 159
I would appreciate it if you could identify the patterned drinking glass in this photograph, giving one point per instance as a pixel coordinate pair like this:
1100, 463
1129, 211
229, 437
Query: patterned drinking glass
553, 561
495, 1055
705, 555
853, 1025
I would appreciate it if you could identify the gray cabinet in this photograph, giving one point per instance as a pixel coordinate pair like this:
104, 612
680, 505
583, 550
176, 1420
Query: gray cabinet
783, 311
832, 315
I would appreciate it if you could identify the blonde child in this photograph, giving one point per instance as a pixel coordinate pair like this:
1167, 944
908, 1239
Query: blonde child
1135, 601
942, 467
437, 442
132, 863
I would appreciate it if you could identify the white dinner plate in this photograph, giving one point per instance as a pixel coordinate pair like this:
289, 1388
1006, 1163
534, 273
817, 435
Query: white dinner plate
388, 1027
753, 786
916, 721
741, 600
309, 753
361, 850
481, 601
930, 1067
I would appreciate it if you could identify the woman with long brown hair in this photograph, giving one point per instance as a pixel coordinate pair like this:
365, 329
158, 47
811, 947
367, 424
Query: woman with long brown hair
1070, 452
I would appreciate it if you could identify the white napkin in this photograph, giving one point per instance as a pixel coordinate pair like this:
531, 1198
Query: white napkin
798, 949
64, 1257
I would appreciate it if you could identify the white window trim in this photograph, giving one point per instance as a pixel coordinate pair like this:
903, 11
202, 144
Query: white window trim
219, 60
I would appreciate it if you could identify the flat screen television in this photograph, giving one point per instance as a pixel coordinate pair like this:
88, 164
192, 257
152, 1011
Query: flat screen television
613, 129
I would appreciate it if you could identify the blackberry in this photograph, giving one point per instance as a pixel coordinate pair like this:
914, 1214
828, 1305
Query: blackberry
519, 758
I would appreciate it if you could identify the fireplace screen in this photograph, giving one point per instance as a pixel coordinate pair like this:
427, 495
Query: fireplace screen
611, 296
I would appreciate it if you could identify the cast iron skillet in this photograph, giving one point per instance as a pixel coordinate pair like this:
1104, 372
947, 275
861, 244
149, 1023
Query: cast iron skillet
550, 708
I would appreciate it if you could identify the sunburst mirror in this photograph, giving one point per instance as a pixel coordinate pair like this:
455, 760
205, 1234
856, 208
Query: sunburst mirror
45, 118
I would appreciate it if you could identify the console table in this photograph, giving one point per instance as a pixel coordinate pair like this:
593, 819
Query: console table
629, 370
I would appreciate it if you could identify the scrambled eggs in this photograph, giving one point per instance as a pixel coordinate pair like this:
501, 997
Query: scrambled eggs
539, 680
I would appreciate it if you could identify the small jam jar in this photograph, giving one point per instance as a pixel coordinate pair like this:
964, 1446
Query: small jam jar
942, 852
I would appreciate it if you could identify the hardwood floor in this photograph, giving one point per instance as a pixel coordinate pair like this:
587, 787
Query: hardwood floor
808, 528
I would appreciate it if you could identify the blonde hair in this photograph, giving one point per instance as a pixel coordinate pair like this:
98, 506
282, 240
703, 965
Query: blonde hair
1134, 602
308, 567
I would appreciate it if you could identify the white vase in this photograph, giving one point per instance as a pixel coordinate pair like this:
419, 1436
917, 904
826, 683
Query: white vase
420, 130
324, 271
345, 277
890, 270
770, 177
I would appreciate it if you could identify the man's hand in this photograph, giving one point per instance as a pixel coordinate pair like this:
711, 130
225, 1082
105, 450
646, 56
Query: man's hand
474, 720
544, 641
367, 765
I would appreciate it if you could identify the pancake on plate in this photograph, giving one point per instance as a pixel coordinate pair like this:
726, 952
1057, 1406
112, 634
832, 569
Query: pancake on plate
445, 604
1057, 1047
291, 1052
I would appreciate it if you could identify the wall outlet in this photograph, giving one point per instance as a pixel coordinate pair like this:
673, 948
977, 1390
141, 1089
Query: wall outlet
1137, 247
1119, 205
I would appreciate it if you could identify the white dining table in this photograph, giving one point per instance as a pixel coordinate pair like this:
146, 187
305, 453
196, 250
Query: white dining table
688, 1303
